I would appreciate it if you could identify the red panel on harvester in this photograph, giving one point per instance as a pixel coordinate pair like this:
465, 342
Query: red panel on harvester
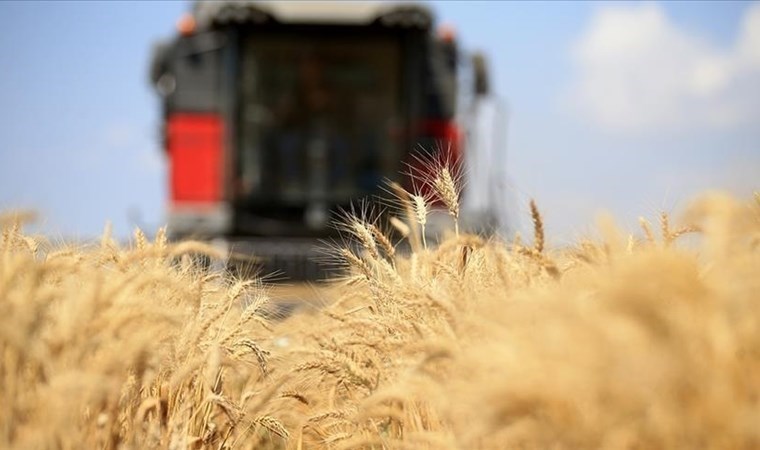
195, 152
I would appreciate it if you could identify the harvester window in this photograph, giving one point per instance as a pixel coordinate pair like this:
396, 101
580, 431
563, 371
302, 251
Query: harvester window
316, 116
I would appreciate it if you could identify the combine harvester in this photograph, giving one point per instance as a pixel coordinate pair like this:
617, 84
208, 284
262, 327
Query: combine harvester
278, 114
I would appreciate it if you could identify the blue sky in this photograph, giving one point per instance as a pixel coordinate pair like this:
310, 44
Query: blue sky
625, 107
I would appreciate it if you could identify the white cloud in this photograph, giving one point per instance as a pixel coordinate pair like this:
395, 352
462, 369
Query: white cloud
637, 71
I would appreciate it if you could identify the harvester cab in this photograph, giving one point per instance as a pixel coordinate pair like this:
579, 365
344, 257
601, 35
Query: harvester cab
278, 114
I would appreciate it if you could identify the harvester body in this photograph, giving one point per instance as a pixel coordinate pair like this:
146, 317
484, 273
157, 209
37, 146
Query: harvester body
278, 114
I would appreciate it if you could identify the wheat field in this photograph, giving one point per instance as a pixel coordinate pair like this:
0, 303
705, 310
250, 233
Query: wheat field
641, 339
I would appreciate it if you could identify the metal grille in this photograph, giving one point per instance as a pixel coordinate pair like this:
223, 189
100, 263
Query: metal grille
289, 259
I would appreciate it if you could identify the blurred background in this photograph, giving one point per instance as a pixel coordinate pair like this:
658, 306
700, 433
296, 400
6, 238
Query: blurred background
630, 108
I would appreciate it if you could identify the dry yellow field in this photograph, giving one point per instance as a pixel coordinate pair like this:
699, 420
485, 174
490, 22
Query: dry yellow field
635, 341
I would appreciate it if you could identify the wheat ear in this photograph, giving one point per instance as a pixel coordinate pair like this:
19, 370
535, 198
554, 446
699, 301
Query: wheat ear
538, 227
647, 230
420, 213
365, 236
447, 190
404, 198
383, 240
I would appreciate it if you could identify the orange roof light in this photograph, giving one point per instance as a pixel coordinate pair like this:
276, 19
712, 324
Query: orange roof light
447, 33
186, 24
